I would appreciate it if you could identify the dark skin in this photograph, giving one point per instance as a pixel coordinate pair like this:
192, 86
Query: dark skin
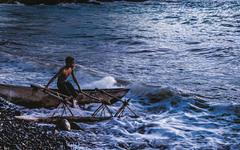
64, 73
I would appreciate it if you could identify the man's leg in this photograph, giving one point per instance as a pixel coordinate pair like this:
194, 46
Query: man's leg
72, 92
63, 89
71, 89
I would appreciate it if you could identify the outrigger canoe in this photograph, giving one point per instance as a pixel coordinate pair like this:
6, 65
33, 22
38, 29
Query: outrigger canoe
33, 97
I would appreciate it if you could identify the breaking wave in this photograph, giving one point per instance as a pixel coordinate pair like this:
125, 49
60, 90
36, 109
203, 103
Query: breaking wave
168, 119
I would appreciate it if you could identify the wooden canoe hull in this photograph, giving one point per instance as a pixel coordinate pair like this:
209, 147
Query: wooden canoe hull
32, 97
57, 118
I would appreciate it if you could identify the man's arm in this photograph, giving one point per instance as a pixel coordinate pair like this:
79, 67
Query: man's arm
76, 81
53, 78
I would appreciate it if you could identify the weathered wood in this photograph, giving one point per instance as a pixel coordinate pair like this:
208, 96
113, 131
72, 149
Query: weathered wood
122, 108
57, 118
33, 97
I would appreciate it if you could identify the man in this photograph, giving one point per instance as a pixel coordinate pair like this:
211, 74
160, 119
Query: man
64, 86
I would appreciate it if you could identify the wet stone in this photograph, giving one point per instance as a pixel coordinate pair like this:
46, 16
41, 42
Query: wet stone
16, 134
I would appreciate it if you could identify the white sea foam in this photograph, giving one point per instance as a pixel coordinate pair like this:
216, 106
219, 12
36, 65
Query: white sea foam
58, 111
106, 82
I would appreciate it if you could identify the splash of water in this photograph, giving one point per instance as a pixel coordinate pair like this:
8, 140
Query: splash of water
106, 82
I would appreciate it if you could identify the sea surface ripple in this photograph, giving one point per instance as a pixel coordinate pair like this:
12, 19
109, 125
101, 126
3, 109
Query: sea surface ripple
180, 59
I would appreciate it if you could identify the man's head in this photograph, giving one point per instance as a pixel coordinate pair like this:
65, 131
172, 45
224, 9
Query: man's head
69, 61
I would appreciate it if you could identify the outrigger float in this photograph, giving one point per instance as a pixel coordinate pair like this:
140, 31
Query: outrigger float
37, 96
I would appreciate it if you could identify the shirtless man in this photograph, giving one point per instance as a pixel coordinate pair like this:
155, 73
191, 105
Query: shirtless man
64, 86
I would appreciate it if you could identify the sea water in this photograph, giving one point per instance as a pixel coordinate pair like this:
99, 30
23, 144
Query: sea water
180, 60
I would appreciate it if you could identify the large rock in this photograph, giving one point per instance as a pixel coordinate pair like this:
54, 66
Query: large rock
63, 124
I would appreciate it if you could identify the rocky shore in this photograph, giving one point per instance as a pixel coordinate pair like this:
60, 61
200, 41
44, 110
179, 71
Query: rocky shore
17, 134
54, 2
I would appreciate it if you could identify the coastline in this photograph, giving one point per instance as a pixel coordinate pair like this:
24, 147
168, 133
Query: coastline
18, 134
178, 58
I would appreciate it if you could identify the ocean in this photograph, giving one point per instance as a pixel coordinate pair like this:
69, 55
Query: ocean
179, 58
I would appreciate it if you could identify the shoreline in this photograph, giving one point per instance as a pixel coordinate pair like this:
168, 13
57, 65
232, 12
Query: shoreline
19, 134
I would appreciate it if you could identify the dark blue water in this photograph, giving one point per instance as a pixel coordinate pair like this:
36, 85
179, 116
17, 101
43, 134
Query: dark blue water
179, 58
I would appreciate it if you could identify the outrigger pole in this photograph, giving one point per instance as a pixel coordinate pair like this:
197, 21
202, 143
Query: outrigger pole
61, 97
125, 104
101, 108
64, 100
